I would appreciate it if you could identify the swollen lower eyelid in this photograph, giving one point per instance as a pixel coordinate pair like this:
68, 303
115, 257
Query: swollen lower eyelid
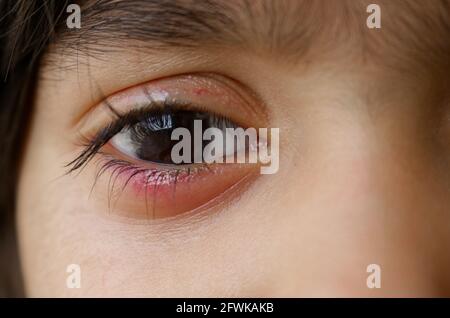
152, 193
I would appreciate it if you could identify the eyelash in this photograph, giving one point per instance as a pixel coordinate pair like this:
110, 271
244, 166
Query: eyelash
153, 176
93, 145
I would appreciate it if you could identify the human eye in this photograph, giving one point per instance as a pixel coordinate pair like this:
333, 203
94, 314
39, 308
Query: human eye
148, 136
129, 137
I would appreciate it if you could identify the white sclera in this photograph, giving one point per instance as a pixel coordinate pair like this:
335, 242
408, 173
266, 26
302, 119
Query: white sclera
122, 141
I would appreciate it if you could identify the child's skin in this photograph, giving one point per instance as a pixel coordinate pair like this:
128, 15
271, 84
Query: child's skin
364, 178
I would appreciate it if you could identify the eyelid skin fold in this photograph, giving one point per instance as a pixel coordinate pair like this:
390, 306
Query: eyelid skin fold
208, 92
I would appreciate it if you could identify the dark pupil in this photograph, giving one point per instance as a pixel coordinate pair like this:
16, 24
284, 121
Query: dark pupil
153, 135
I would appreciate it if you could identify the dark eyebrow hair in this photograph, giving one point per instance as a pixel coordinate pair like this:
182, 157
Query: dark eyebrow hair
161, 21
290, 29
281, 25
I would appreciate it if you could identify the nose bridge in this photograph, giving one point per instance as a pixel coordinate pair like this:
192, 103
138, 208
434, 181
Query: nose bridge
373, 192
377, 215
410, 206
377, 146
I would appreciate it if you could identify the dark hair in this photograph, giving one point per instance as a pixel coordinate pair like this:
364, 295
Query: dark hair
26, 28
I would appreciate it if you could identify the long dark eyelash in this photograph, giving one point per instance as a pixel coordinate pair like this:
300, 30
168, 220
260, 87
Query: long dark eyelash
93, 145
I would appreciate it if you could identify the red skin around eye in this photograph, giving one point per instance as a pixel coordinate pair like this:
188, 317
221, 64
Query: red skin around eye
162, 194
200, 91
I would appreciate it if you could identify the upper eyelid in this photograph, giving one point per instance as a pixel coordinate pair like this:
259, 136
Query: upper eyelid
230, 102
244, 93
151, 107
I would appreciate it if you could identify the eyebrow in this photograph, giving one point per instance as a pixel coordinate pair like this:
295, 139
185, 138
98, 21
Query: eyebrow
286, 28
